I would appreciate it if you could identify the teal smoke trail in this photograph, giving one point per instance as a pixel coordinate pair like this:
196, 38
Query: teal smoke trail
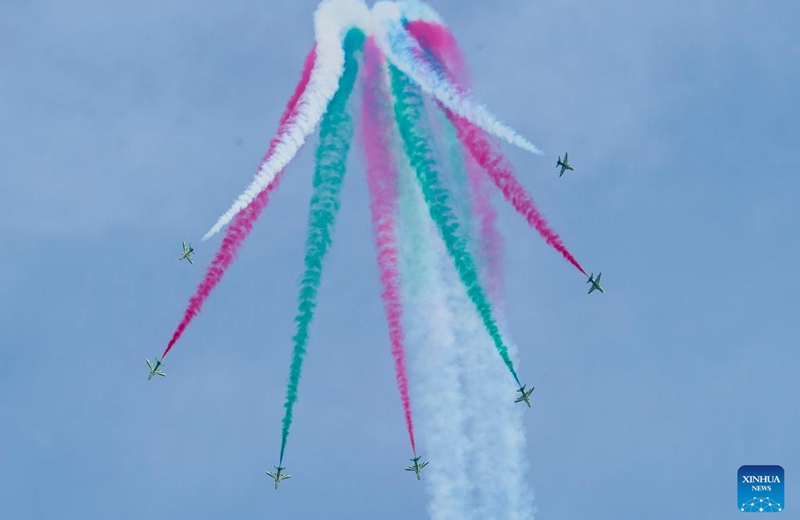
336, 132
408, 112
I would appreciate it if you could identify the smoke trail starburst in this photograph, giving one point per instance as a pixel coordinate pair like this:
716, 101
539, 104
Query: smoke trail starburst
437, 246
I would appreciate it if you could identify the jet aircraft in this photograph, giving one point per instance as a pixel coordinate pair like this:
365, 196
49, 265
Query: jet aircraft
417, 467
526, 396
277, 475
154, 371
595, 283
187, 252
564, 165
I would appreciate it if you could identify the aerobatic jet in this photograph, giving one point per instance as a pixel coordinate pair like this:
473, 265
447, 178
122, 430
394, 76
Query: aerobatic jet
154, 371
277, 475
187, 252
526, 396
595, 283
564, 165
417, 467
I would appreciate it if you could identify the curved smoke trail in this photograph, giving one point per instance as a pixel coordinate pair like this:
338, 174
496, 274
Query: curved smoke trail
335, 134
437, 39
244, 221
404, 53
407, 109
382, 180
332, 20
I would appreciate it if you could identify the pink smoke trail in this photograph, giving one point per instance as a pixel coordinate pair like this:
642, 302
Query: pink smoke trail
243, 223
503, 177
382, 181
438, 40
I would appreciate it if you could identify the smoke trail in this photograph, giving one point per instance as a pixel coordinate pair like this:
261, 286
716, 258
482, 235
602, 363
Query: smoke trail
438, 40
244, 221
438, 397
404, 53
382, 180
493, 421
407, 109
336, 132
332, 19
503, 177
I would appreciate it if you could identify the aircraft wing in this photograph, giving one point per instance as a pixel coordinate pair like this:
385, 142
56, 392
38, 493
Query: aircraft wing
598, 278
566, 157
190, 260
592, 289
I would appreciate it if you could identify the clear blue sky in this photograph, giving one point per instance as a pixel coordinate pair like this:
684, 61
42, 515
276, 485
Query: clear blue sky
128, 127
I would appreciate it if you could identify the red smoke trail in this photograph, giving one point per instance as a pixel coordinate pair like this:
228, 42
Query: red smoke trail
382, 181
503, 177
243, 222
438, 40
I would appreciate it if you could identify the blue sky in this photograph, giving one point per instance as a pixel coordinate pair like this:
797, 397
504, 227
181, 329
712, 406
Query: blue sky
131, 127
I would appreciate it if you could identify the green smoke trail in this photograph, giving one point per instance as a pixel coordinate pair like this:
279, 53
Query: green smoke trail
335, 134
407, 110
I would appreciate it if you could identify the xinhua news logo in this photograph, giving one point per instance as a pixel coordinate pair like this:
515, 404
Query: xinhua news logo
761, 489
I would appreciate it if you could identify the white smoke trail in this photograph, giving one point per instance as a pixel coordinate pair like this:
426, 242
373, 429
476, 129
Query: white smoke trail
332, 20
404, 52
494, 422
433, 357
